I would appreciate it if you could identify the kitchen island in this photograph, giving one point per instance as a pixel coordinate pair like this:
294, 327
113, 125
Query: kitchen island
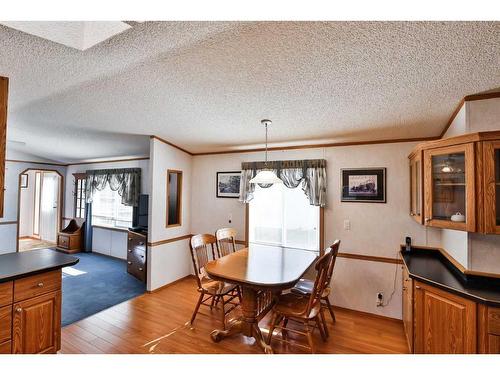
30, 301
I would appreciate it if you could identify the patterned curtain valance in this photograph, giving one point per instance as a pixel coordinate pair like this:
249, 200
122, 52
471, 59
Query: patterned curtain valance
126, 181
311, 173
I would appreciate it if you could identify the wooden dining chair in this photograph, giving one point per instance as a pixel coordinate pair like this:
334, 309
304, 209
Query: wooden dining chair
305, 286
226, 238
203, 249
302, 308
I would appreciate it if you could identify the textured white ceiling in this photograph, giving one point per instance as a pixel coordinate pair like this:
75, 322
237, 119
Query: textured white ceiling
205, 85
76, 34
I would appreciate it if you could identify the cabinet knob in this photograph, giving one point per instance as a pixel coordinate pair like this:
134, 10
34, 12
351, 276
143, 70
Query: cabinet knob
129, 250
19, 310
427, 219
140, 268
141, 243
40, 285
412, 214
404, 288
417, 287
129, 262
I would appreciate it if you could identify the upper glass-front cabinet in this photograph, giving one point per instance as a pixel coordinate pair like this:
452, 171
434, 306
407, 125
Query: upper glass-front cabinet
450, 187
491, 165
416, 191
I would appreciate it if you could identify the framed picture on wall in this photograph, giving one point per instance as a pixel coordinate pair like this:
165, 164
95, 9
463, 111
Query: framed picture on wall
24, 181
228, 184
363, 185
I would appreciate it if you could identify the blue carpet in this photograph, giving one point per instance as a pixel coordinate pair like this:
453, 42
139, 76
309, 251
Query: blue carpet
95, 283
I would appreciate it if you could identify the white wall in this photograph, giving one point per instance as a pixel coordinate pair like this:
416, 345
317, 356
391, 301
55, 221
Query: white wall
109, 242
376, 229
8, 232
474, 251
26, 207
171, 261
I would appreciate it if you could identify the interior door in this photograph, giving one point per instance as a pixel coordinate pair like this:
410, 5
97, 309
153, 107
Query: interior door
49, 206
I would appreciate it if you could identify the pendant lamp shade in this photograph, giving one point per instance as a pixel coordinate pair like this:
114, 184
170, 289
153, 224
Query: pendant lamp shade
266, 176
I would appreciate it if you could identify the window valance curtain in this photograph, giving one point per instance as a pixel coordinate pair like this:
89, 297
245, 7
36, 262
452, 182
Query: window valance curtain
126, 181
311, 173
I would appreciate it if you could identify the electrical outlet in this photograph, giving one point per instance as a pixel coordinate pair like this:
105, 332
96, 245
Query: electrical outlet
380, 298
347, 224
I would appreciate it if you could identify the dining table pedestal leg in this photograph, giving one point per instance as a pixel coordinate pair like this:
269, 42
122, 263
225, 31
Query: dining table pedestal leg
254, 305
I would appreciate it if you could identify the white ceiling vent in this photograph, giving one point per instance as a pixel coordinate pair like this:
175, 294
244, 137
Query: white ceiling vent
79, 34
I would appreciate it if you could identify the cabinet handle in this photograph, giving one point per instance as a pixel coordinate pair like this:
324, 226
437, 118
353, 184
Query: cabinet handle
141, 243
129, 250
40, 285
417, 287
129, 262
404, 288
19, 310
140, 268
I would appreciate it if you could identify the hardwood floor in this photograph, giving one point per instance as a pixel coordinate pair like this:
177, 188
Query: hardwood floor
159, 323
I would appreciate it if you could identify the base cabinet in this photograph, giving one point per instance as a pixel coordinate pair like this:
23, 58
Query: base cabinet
30, 314
444, 323
37, 325
408, 308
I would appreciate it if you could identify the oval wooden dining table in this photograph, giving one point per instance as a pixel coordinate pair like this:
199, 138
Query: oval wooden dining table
262, 272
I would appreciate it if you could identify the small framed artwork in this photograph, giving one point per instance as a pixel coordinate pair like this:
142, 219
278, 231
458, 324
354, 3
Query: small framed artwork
363, 185
228, 184
24, 181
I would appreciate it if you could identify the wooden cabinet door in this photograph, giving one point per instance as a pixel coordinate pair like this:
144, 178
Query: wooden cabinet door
444, 323
491, 181
449, 187
408, 308
37, 324
416, 187
4, 89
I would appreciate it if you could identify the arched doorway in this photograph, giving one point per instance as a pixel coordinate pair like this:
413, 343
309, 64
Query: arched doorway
40, 204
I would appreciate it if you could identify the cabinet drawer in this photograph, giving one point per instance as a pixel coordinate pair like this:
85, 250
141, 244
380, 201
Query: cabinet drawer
6, 293
494, 320
5, 323
5, 348
63, 241
36, 285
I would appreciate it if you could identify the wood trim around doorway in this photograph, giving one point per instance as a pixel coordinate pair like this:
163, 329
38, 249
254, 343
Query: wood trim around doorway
60, 203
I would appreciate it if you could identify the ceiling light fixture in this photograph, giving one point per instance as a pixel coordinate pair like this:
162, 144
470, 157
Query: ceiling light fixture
266, 176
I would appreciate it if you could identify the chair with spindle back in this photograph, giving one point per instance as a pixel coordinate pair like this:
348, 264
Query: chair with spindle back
203, 249
304, 286
302, 308
226, 238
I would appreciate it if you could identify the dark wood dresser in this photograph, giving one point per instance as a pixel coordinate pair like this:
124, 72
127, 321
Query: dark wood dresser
137, 255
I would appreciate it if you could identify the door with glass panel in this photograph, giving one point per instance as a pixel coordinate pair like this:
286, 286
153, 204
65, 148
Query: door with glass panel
449, 187
282, 216
416, 191
491, 165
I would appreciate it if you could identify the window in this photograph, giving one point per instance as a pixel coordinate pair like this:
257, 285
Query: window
282, 216
108, 210
174, 198
79, 195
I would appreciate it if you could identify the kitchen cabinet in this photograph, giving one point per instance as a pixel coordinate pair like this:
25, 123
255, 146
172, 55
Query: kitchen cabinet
408, 308
489, 329
416, 189
491, 175
444, 322
4, 89
449, 184
30, 318
455, 183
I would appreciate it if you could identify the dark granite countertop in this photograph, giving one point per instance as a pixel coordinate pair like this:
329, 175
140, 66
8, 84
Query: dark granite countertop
431, 267
17, 265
